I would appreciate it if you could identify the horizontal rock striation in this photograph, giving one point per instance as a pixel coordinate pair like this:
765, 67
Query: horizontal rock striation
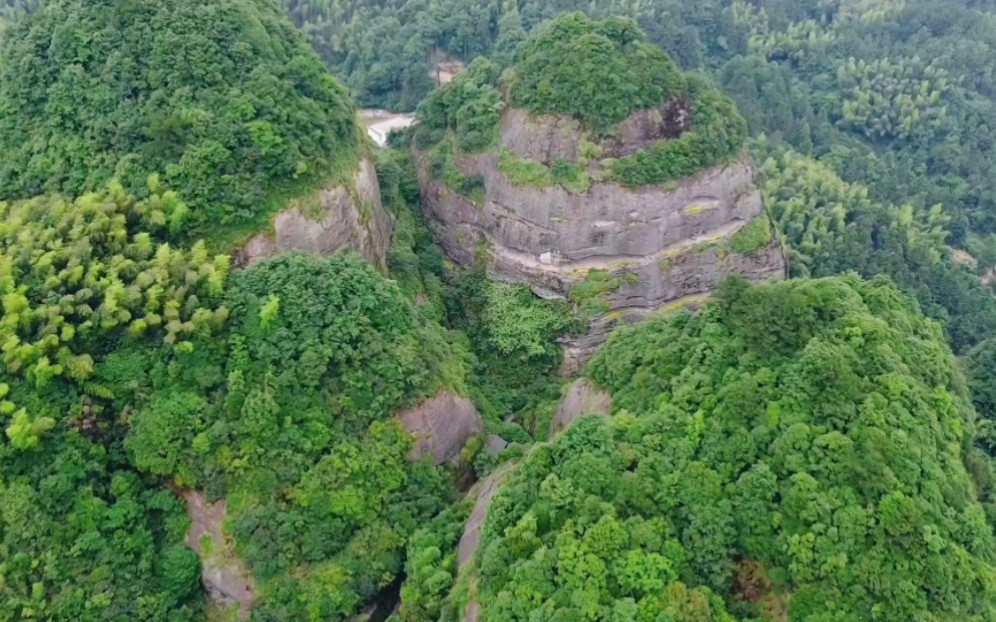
656, 247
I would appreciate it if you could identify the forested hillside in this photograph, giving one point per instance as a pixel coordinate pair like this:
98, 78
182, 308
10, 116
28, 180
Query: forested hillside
221, 101
814, 450
138, 366
794, 452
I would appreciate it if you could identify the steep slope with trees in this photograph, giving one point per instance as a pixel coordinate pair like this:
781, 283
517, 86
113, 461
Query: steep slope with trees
130, 366
796, 451
137, 366
223, 101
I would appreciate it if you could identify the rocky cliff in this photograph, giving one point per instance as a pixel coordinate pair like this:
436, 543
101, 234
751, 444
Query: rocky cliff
344, 216
634, 249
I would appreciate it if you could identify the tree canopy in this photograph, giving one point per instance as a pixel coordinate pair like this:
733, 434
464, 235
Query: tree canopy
597, 72
223, 100
795, 451
806, 451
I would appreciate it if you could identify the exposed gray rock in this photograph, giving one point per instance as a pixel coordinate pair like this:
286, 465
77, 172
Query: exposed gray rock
682, 281
442, 426
544, 139
473, 611
663, 245
484, 491
471, 538
495, 444
329, 220
582, 399
227, 582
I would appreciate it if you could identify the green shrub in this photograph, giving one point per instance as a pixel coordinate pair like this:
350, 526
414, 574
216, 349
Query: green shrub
752, 237
524, 172
519, 323
469, 107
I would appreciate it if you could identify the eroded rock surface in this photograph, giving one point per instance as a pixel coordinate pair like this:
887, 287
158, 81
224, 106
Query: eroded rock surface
329, 220
471, 537
582, 399
228, 584
484, 491
660, 245
442, 426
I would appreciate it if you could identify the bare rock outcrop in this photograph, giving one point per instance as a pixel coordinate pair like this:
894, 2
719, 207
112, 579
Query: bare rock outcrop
656, 246
471, 537
483, 492
228, 583
442, 426
582, 399
346, 216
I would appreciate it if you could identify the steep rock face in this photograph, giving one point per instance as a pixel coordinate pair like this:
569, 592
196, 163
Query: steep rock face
582, 399
331, 219
228, 584
656, 246
482, 493
442, 426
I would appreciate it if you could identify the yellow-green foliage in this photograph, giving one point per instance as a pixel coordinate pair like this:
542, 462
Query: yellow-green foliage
590, 297
812, 207
830, 226
752, 237
867, 11
523, 171
799, 42
518, 323
886, 99
73, 272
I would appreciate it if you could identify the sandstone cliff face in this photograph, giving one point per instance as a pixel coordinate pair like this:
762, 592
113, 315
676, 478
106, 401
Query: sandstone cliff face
441, 426
331, 219
659, 245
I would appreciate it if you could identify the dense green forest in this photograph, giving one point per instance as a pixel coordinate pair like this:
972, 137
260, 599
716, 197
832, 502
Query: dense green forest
894, 98
596, 72
794, 452
805, 451
221, 101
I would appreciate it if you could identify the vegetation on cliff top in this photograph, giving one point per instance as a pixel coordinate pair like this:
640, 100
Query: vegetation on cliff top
802, 451
223, 100
598, 72
897, 95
